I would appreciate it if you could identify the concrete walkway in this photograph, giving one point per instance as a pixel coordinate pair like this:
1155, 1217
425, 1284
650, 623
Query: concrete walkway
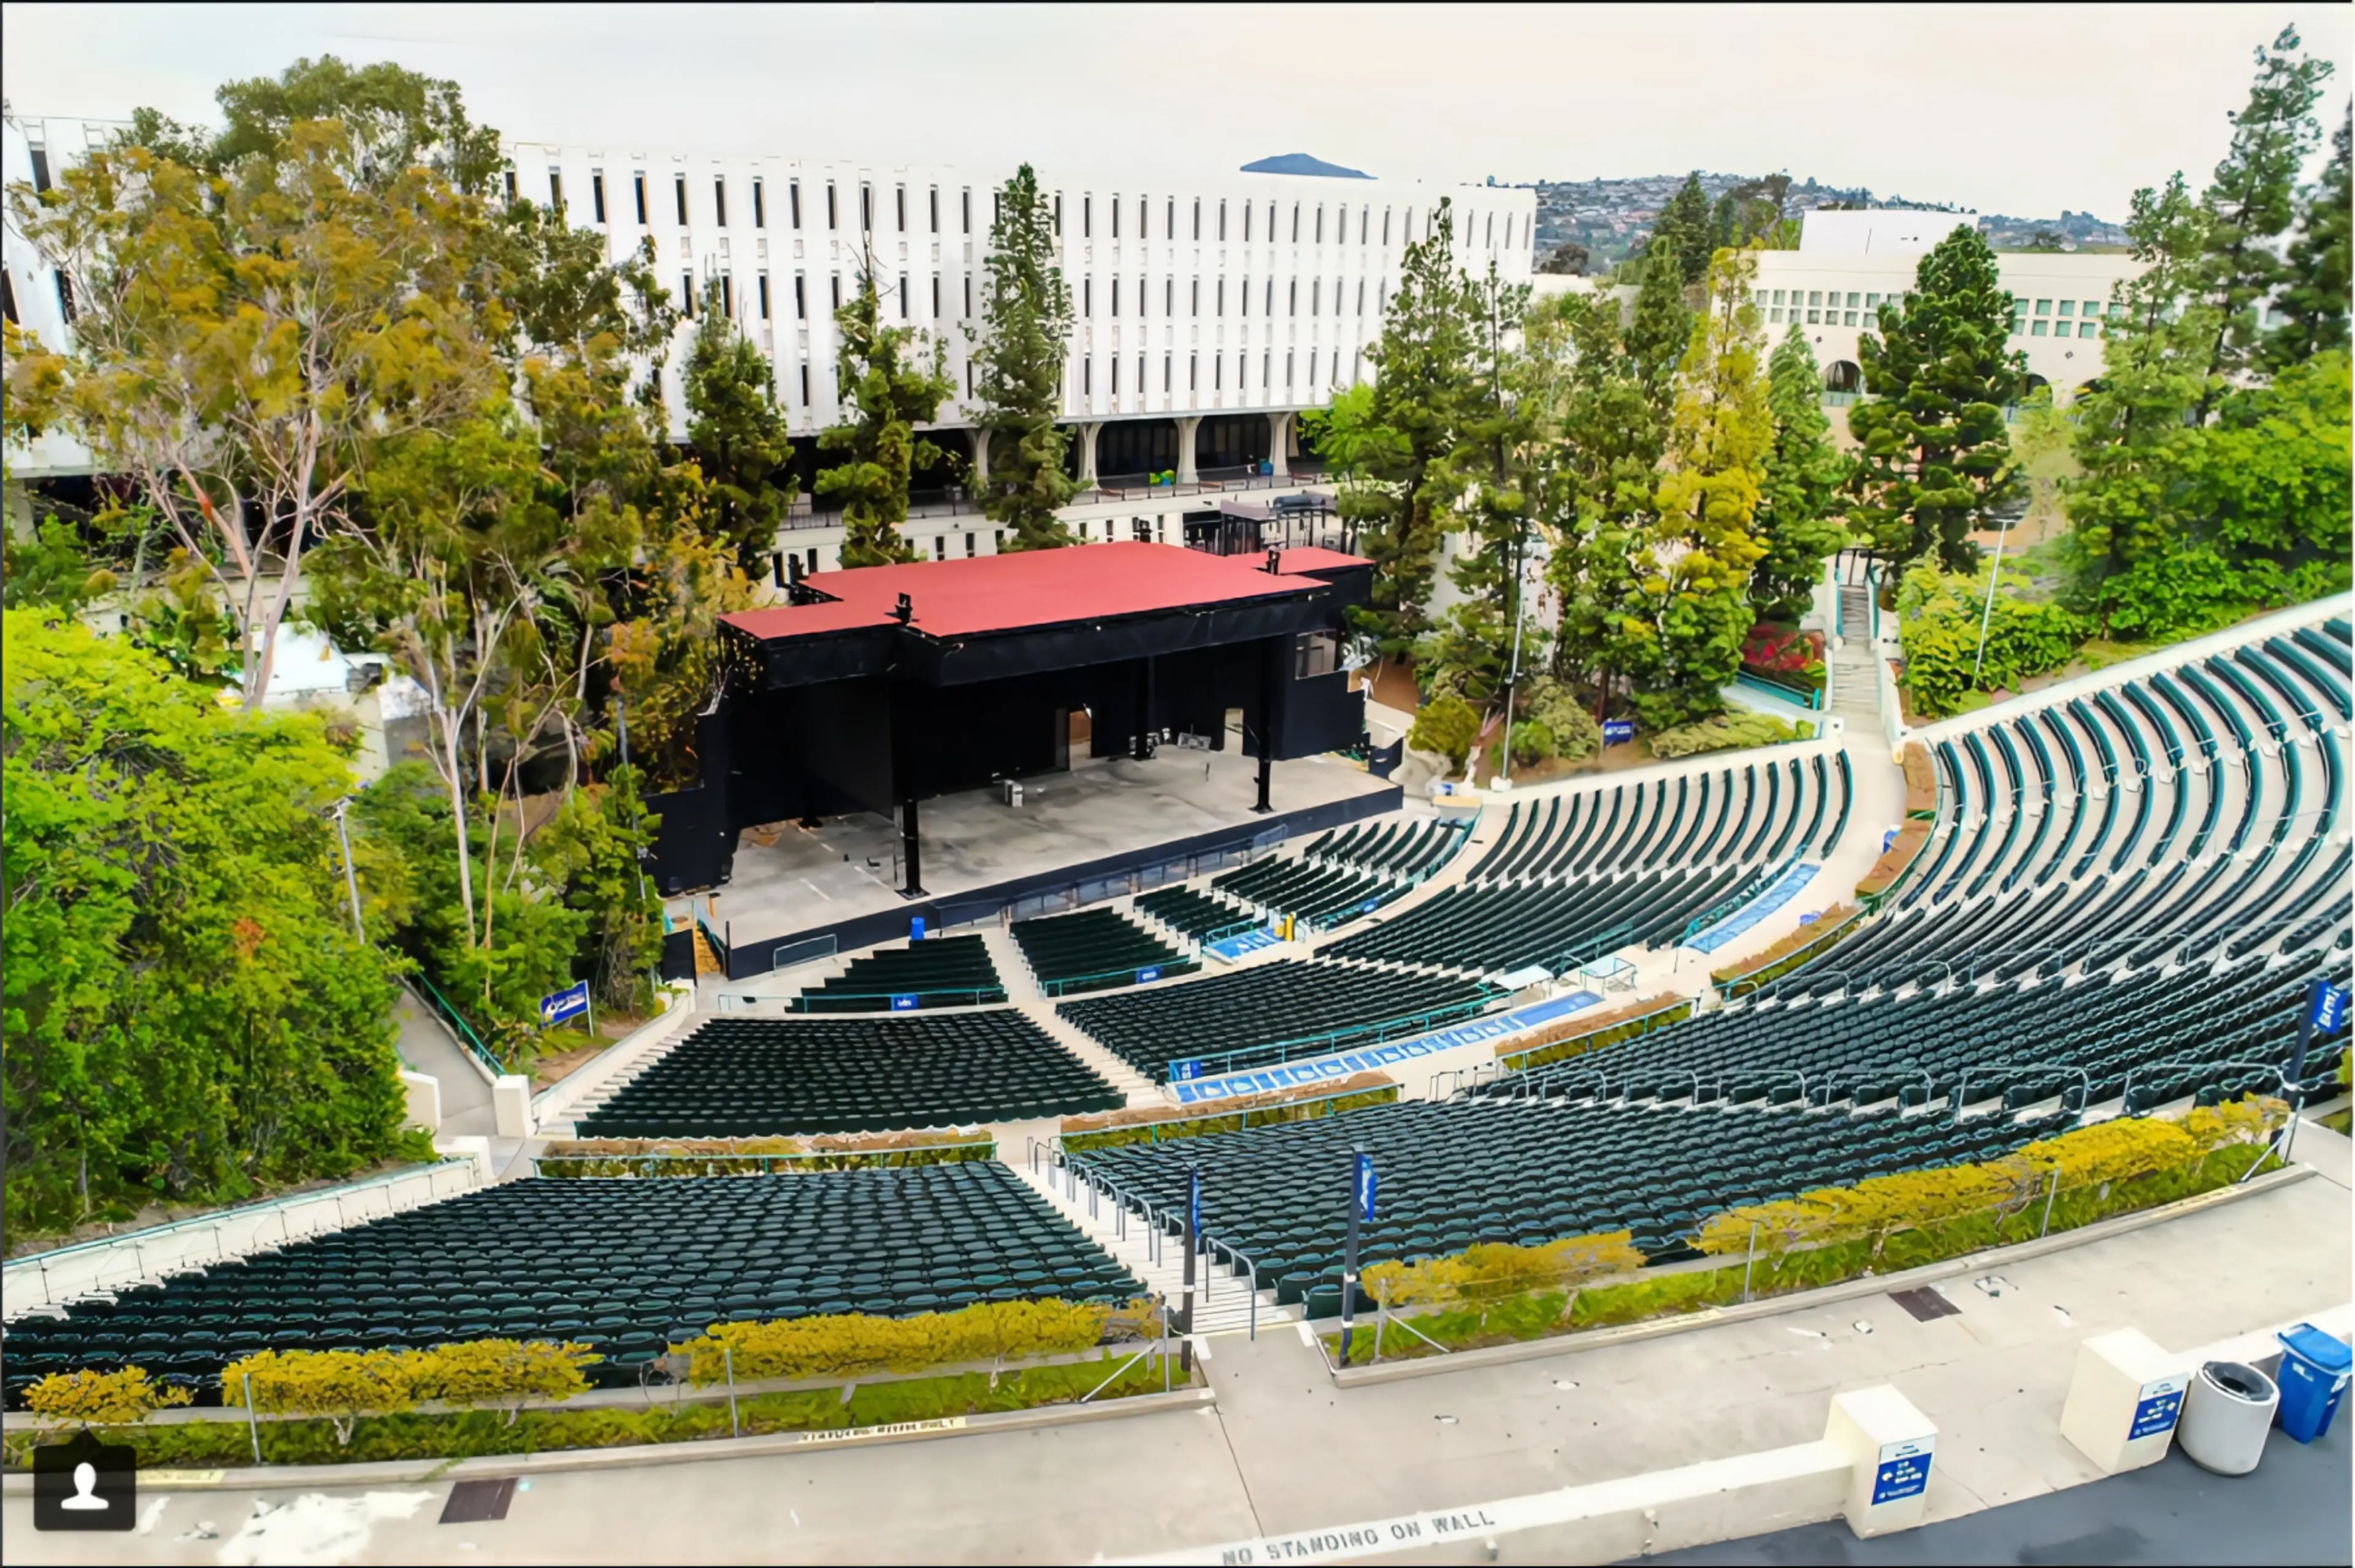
1284, 1450
425, 1046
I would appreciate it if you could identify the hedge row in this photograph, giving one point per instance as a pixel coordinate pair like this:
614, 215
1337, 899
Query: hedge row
1575, 1037
1152, 1125
1790, 952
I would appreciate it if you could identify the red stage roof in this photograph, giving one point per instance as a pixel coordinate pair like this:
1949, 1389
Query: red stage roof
1034, 588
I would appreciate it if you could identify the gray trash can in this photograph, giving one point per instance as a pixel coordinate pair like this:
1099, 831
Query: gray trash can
2227, 1414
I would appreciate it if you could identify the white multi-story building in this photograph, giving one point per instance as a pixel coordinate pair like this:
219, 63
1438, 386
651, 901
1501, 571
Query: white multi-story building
1207, 315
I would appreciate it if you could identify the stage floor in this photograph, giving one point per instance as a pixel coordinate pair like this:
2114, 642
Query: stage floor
848, 866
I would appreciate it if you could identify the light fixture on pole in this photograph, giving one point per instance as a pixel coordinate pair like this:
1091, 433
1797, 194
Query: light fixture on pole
351, 880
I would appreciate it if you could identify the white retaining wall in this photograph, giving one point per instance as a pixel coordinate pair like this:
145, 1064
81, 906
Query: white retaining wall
69, 1272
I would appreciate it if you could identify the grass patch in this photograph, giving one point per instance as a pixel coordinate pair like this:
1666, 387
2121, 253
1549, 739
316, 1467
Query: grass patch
2337, 1121
468, 1434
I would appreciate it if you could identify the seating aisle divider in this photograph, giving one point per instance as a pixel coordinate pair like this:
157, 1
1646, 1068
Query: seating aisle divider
1373, 1059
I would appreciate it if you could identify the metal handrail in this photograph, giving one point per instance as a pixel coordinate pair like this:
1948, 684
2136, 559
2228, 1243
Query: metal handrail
457, 1020
1725, 988
1251, 1277
1963, 1083
1929, 1084
1063, 986
977, 994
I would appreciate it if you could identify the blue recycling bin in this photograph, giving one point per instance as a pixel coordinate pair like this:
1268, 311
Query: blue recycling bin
2314, 1369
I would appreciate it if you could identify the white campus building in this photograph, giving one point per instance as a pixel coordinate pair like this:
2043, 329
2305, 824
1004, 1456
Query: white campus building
1207, 315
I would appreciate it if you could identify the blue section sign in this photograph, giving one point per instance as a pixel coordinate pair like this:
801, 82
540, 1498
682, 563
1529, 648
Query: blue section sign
1194, 1199
570, 1002
1903, 1471
2155, 1411
1367, 1183
1145, 975
1234, 947
1618, 732
2329, 1008
1185, 1074
904, 1001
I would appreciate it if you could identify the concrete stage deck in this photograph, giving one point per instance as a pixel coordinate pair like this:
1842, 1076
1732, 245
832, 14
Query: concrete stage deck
1104, 815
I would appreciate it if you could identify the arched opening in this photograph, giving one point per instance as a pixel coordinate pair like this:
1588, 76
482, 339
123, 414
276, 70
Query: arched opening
1843, 376
1128, 451
1230, 442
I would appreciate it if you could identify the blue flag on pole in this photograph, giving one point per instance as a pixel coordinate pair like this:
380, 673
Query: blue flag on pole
2329, 1007
1194, 1200
1367, 1182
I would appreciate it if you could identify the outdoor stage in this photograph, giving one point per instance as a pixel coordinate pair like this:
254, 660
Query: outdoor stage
1102, 818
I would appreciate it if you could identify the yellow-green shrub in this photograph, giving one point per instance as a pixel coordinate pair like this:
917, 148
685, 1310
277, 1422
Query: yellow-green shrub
1892, 865
1822, 930
341, 1385
1575, 1037
1488, 1271
101, 1399
850, 1344
501, 1371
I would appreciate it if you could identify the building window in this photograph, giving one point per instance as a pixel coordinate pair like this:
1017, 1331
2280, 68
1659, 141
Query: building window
1223, 296
1815, 297
940, 547
1197, 218
1144, 298
1115, 377
1872, 301
65, 298
1193, 372
1087, 377
1243, 295
964, 207
1361, 291
1222, 220
1115, 292
719, 198
2093, 307
1815, 317
1196, 308
686, 291
1059, 215
968, 546
936, 296
597, 194
1314, 654
1851, 302
933, 208
679, 191
1168, 370
1267, 298
760, 205
794, 203
2038, 328
968, 297
1087, 216
903, 296
1113, 205
1774, 313
1848, 318
1386, 226
1316, 296
805, 397
1320, 223
800, 297
866, 208
900, 208
1288, 377
556, 193
836, 288
638, 189
1140, 372
2044, 308
1169, 296
1247, 222
1291, 305
726, 296
832, 220
2068, 307
41, 176
1778, 296
1169, 220
1087, 296
2084, 329
1218, 372
764, 296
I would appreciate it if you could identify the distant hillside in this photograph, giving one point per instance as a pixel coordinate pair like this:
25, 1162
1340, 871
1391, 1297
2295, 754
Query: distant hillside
1302, 164
1612, 218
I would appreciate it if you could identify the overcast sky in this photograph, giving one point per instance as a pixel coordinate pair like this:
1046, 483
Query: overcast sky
2022, 109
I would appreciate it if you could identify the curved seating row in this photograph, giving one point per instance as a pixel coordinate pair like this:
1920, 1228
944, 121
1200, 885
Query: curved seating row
945, 972
757, 1077
629, 1268
1196, 912
1702, 818
1458, 1171
1094, 950
1271, 1012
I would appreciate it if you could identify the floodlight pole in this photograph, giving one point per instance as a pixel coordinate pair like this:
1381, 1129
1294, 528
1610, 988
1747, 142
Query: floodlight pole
1986, 614
351, 882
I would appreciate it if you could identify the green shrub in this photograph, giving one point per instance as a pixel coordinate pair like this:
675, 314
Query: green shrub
1724, 731
1447, 725
1532, 743
1547, 701
1203, 1127
1943, 612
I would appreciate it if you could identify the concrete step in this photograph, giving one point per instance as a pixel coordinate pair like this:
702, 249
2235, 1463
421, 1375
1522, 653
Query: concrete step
1222, 1303
1006, 956
1139, 1089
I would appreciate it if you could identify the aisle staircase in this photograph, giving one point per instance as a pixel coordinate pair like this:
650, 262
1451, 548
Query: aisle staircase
1079, 1044
1855, 683
1222, 1303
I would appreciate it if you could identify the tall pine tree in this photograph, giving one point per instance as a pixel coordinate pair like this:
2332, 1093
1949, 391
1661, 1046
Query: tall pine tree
2313, 299
1706, 538
2252, 201
1017, 364
1421, 366
1803, 472
892, 382
738, 433
1936, 455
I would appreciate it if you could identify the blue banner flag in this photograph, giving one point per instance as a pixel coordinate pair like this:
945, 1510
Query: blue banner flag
1194, 1200
1367, 1182
570, 1002
2329, 1007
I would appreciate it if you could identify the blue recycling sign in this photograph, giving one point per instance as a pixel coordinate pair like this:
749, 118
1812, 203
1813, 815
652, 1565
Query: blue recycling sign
2329, 1007
2155, 1411
1367, 1183
1903, 1471
571, 1002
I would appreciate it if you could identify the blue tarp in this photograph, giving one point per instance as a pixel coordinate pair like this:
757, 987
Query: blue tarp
1786, 887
